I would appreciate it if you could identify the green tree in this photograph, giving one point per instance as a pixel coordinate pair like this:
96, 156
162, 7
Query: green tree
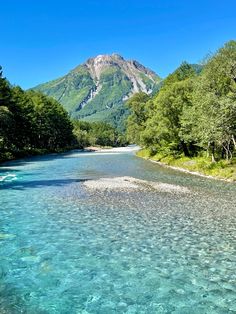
6, 116
138, 107
162, 128
52, 128
97, 134
30, 121
211, 120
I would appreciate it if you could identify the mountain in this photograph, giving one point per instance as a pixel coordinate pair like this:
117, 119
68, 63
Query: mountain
97, 89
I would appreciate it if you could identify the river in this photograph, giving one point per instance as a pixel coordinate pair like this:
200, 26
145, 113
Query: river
70, 244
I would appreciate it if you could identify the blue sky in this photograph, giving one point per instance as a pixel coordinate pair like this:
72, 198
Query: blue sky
42, 40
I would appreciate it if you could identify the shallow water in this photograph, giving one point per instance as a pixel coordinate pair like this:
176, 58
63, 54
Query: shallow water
65, 248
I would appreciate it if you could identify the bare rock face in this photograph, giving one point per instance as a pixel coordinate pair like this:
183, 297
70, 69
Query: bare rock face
97, 88
132, 69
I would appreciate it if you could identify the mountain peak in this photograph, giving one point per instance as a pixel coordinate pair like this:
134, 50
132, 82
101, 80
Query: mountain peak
101, 85
101, 63
104, 58
114, 55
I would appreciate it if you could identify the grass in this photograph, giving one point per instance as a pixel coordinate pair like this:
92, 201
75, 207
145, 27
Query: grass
221, 169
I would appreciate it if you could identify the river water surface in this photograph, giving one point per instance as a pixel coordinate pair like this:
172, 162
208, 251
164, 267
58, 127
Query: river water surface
67, 248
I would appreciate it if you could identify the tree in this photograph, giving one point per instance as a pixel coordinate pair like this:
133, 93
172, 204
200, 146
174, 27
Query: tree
212, 119
193, 111
162, 128
30, 121
52, 126
6, 116
139, 113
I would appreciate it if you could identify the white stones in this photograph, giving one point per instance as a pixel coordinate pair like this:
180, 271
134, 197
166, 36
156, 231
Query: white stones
124, 149
111, 183
130, 183
165, 187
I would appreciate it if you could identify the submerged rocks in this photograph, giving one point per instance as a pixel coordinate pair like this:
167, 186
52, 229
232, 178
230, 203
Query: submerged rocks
4, 236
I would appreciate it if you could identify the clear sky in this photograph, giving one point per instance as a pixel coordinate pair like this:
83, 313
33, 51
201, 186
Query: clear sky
42, 40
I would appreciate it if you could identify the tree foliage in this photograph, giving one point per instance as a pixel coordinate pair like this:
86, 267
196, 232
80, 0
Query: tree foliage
97, 134
137, 104
194, 111
30, 121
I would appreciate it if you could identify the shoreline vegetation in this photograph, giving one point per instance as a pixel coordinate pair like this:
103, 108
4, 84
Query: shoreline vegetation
199, 166
190, 124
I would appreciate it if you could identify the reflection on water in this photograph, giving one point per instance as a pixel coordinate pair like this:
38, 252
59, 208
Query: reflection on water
65, 248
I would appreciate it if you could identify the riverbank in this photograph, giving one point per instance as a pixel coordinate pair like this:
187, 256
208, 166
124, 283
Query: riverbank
89, 149
8, 156
221, 170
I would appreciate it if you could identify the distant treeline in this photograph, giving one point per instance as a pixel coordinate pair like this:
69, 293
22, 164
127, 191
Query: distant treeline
97, 134
193, 114
32, 123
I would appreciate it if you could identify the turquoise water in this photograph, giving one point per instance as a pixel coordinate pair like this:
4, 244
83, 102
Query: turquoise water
68, 249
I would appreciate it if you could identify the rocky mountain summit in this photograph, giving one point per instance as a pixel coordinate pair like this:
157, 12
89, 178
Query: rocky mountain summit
96, 89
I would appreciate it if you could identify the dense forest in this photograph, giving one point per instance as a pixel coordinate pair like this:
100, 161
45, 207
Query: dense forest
32, 123
193, 114
97, 134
